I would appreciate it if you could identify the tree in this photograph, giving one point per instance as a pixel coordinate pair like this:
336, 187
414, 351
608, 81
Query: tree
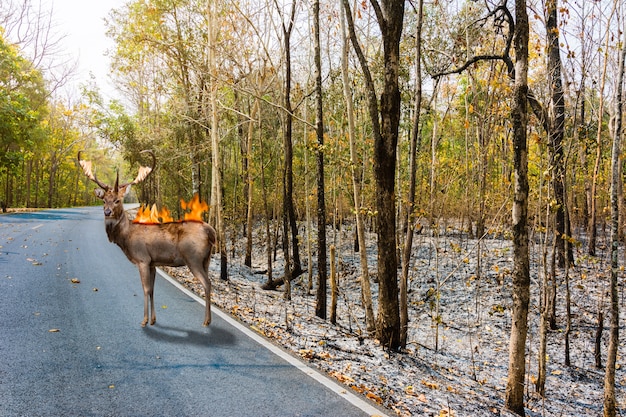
366, 292
410, 211
514, 395
289, 216
616, 177
22, 108
320, 306
385, 119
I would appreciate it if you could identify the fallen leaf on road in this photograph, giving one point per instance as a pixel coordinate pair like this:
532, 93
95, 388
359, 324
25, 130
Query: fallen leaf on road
75, 281
54, 330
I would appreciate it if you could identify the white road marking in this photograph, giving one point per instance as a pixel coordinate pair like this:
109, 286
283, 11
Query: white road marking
340, 390
36, 227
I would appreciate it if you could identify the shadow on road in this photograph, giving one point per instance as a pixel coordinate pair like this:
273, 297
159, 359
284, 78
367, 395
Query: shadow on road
212, 336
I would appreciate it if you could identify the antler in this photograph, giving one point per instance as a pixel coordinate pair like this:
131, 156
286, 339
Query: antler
144, 171
86, 165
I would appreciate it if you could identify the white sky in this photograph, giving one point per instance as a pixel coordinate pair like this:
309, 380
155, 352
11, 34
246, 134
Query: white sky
82, 23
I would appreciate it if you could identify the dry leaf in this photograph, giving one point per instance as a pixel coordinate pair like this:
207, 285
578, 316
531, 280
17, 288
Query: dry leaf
54, 330
75, 281
431, 385
374, 397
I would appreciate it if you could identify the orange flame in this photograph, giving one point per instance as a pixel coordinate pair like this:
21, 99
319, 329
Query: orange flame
194, 209
193, 212
151, 215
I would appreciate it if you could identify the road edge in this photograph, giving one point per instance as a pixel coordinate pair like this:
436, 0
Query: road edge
337, 388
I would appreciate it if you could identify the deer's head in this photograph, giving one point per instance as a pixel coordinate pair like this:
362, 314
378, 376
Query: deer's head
113, 197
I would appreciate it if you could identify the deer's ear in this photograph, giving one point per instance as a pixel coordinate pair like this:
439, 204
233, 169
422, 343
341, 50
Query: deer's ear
126, 190
99, 192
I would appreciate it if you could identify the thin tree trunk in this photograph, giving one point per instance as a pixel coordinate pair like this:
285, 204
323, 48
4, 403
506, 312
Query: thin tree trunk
556, 123
592, 227
320, 307
366, 292
410, 211
609, 377
334, 291
215, 146
268, 216
248, 186
514, 394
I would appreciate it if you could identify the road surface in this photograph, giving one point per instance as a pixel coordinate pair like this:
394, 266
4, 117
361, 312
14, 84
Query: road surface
71, 343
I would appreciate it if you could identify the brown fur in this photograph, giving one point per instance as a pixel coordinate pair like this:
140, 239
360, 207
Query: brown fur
152, 245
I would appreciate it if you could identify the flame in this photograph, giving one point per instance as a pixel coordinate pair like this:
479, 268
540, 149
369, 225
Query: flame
151, 215
194, 210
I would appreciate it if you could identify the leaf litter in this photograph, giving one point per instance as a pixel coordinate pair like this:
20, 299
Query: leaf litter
456, 359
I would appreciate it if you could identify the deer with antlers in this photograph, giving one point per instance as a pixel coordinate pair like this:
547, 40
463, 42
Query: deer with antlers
150, 245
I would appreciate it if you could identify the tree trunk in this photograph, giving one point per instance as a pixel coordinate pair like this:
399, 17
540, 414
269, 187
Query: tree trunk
216, 186
410, 211
366, 292
592, 227
616, 171
248, 178
514, 395
385, 118
288, 210
334, 290
320, 307
556, 123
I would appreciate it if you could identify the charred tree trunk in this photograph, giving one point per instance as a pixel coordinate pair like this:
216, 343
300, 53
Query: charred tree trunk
514, 395
385, 118
320, 307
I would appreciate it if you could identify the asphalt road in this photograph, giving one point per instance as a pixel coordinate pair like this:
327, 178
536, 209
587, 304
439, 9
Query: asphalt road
71, 343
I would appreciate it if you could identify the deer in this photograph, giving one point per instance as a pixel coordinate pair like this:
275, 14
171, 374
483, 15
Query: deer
150, 245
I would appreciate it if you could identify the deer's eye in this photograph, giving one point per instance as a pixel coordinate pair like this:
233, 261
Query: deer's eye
117, 201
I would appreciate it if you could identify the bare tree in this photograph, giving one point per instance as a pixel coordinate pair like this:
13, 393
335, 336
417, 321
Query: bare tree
385, 118
415, 132
320, 306
30, 25
366, 292
616, 172
514, 396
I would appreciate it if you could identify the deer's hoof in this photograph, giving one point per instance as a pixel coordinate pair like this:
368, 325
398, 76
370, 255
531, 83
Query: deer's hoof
206, 322
152, 322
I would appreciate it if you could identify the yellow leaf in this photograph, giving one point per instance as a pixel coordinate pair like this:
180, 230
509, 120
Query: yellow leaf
556, 372
75, 281
54, 330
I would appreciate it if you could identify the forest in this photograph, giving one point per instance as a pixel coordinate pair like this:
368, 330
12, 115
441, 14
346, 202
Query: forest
483, 132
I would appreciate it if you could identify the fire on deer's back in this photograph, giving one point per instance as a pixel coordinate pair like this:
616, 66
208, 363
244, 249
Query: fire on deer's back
150, 245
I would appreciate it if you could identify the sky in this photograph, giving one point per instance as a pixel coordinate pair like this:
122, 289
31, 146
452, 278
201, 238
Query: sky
82, 23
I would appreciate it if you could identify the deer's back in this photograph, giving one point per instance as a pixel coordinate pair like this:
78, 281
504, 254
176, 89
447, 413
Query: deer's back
170, 243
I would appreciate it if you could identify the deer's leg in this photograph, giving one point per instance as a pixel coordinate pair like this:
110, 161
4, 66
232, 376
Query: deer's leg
202, 275
152, 310
146, 273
